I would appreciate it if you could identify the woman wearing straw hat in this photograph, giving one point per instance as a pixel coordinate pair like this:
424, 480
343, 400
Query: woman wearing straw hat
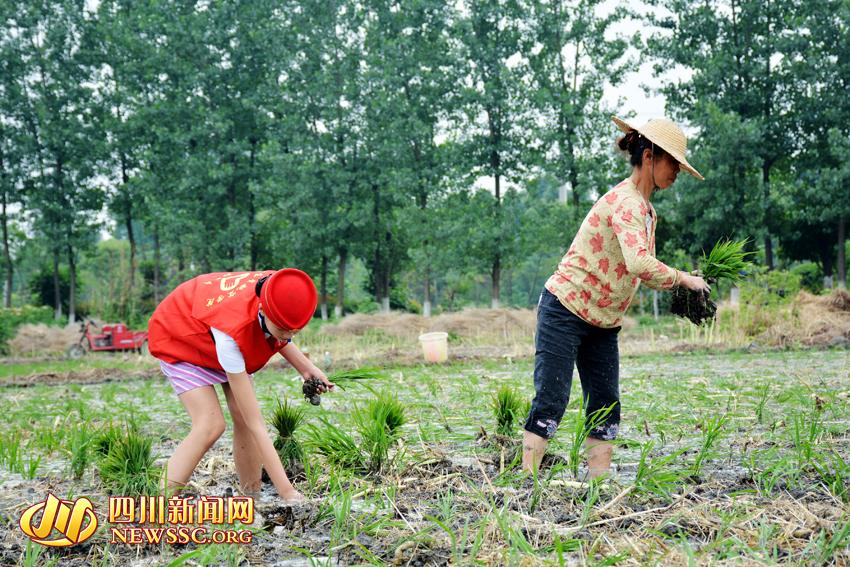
584, 301
219, 329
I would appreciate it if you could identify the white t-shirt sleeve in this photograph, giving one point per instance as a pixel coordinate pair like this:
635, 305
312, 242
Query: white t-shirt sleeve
229, 355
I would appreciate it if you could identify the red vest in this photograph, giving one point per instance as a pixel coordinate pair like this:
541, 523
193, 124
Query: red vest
179, 329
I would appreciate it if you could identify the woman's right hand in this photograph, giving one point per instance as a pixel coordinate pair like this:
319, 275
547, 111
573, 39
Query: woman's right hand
694, 282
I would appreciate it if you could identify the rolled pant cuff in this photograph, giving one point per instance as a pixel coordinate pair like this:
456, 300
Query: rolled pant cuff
544, 427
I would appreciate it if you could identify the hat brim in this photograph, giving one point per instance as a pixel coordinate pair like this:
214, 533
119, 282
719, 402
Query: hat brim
683, 163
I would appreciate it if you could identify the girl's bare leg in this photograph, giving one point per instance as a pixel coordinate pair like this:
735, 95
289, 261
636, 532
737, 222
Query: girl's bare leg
245, 453
207, 426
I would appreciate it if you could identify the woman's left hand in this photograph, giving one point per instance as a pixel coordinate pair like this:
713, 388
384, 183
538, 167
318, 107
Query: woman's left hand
314, 372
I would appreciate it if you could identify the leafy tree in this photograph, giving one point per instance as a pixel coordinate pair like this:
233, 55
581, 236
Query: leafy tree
738, 54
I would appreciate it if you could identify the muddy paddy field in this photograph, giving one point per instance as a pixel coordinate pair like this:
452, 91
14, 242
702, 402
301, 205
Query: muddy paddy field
729, 458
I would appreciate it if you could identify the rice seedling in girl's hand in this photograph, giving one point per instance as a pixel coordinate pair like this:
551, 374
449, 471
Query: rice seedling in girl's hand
311, 387
286, 418
727, 260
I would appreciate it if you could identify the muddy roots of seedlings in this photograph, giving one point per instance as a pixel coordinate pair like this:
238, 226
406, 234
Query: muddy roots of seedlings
695, 306
310, 389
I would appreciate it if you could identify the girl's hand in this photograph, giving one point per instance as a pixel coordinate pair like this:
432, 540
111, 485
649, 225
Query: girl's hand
314, 372
694, 282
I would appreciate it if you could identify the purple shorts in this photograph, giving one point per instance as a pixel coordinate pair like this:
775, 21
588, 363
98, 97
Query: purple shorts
185, 376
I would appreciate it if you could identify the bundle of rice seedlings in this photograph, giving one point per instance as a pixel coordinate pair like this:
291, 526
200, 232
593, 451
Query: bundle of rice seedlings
311, 387
286, 418
106, 438
726, 260
338, 447
128, 468
507, 408
379, 425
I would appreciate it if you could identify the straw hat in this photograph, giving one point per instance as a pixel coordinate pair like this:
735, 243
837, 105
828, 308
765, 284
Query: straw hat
666, 134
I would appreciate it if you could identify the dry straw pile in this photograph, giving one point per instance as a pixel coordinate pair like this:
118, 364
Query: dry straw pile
43, 340
475, 325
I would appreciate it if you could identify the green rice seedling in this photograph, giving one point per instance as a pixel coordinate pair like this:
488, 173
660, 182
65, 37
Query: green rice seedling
337, 446
80, 454
310, 388
538, 487
829, 543
806, 431
128, 468
512, 534
10, 451
379, 426
386, 409
457, 541
764, 392
31, 556
582, 426
106, 438
286, 419
507, 408
591, 497
363, 373
726, 260
446, 505
834, 472
711, 429
659, 476
29, 467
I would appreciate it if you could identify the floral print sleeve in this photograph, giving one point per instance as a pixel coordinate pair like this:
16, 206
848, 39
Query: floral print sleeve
633, 223
612, 253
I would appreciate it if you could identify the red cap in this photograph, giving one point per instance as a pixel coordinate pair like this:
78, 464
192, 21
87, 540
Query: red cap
289, 298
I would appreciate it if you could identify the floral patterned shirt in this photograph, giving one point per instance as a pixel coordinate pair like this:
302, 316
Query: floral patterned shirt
611, 254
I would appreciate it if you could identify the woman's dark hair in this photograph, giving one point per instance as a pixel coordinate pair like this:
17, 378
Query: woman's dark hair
259, 285
634, 143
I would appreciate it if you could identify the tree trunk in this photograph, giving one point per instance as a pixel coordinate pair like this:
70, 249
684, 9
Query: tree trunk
252, 213
7, 257
426, 303
340, 283
156, 264
655, 304
496, 272
768, 245
57, 293
72, 291
128, 222
323, 295
842, 260
495, 277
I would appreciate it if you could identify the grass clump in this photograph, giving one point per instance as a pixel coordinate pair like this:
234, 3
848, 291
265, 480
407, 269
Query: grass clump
286, 419
128, 467
507, 408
